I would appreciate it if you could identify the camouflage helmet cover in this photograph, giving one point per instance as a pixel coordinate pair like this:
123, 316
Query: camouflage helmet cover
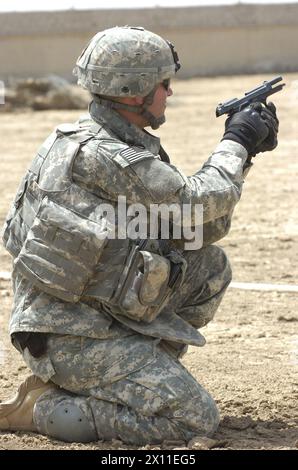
125, 61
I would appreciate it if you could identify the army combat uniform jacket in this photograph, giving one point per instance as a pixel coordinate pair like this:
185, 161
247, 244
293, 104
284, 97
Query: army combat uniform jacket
55, 217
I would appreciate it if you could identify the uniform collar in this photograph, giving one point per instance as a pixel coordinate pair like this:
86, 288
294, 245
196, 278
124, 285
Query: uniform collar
125, 130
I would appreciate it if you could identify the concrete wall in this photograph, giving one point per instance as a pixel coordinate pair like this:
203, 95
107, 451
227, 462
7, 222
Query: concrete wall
210, 40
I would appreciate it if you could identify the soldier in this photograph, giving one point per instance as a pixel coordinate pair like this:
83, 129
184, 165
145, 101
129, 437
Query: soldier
102, 321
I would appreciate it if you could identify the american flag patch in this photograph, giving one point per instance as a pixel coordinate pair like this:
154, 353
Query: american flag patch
132, 155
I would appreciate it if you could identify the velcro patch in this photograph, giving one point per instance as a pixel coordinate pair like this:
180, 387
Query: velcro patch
131, 155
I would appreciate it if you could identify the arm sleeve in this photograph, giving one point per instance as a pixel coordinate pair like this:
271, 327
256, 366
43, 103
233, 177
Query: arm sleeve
217, 185
216, 229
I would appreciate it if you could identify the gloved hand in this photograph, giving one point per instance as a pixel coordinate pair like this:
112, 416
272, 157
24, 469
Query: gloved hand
255, 127
268, 113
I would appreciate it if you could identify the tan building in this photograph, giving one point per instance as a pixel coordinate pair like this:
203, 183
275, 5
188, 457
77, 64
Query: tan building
210, 40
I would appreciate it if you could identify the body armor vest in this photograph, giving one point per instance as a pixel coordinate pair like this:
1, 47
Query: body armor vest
59, 238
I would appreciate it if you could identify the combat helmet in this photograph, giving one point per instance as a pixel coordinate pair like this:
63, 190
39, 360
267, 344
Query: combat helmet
126, 61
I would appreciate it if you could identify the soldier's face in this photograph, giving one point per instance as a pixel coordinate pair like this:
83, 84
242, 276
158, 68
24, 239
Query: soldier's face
158, 107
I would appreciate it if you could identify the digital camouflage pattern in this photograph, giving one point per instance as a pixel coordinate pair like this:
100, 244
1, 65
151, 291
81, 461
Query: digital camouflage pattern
156, 402
125, 61
96, 167
126, 373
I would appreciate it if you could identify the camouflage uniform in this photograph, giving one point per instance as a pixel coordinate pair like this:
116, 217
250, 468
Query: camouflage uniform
121, 376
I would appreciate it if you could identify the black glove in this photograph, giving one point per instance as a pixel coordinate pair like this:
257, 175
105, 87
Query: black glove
255, 127
268, 113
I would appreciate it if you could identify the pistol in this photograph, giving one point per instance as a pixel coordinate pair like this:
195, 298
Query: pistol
259, 94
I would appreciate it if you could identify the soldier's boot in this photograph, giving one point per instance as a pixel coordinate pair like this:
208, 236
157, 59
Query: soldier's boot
17, 414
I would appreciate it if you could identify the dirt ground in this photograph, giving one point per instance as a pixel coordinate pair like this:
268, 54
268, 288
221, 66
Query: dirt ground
249, 363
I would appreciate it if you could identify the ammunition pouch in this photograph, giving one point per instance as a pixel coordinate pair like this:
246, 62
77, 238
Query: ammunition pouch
61, 251
149, 279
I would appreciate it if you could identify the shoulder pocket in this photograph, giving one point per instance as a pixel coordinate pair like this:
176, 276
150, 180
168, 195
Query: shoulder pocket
131, 155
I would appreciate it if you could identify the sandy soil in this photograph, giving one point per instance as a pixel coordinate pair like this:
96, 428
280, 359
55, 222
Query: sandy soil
250, 361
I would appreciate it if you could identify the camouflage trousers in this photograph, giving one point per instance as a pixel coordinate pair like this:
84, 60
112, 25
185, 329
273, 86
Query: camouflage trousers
134, 388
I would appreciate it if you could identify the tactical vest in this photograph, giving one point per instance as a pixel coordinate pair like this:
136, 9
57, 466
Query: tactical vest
59, 238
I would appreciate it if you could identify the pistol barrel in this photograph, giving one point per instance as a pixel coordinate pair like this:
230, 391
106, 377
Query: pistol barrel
259, 93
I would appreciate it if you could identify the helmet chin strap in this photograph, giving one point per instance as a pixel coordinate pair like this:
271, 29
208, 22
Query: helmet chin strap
154, 122
142, 109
